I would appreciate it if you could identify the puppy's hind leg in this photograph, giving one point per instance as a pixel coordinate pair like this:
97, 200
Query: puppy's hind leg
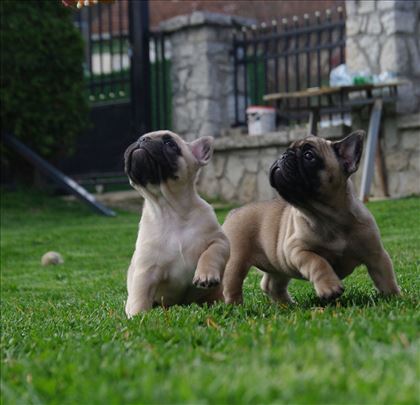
276, 288
233, 280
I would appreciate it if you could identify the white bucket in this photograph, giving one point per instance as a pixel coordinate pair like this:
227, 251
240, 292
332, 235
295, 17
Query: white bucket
261, 119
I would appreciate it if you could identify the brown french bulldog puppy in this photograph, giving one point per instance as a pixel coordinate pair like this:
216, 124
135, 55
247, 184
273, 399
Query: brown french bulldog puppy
316, 230
181, 251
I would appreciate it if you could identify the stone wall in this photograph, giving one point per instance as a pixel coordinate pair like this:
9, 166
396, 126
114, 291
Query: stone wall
402, 156
239, 169
384, 35
238, 172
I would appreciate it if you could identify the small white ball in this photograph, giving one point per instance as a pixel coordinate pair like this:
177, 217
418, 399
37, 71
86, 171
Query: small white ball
50, 258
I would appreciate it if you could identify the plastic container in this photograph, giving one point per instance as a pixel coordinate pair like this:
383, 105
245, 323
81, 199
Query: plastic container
261, 119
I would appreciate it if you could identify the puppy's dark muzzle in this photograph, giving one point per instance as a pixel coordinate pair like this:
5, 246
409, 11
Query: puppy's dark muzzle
275, 171
283, 170
139, 164
151, 161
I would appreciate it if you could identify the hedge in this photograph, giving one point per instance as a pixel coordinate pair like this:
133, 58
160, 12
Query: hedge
43, 99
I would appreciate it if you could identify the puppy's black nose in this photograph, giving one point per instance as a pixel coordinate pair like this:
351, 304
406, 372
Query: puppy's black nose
275, 165
143, 140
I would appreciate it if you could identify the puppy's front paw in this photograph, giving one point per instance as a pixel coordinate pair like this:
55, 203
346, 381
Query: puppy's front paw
329, 289
128, 310
390, 291
206, 280
234, 299
133, 307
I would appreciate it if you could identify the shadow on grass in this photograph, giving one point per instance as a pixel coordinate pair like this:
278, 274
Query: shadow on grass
263, 306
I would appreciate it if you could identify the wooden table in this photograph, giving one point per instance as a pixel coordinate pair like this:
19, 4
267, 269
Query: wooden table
368, 97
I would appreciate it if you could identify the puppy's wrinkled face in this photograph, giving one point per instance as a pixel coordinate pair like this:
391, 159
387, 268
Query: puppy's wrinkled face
314, 168
163, 157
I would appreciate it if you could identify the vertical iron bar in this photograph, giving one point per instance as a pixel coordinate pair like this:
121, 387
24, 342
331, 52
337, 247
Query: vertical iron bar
341, 46
276, 58
256, 84
164, 83
155, 68
328, 14
318, 55
159, 67
161, 83
84, 30
286, 60
91, 49
330, 32
235, 78
265, 62
111, 62
342, 33
79, 20
245, 64
101, 65
121, 91
140, 66
308, 58
297, 66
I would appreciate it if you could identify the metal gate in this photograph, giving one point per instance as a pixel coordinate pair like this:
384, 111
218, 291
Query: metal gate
127, 73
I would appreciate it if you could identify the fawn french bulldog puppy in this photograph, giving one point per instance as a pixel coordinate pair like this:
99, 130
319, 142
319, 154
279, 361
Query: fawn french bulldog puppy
181, 251
316, 230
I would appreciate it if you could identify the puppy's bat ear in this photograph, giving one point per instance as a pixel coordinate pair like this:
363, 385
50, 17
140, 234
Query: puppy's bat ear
202, 149
349, 151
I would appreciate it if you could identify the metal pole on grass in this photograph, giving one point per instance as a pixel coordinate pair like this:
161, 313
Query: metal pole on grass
58, 177
372, 140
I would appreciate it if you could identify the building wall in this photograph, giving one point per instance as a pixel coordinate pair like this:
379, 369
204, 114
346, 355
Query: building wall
162, 10
261, 10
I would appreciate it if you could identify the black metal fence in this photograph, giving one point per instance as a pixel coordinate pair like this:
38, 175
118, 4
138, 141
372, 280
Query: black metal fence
105, 31
286, 56
108, 32
127, 70
161, 90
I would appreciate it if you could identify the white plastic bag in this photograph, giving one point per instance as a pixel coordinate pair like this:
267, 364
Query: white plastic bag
341, 76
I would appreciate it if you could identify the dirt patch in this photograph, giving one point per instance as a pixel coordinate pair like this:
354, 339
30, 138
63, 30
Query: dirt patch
125, 200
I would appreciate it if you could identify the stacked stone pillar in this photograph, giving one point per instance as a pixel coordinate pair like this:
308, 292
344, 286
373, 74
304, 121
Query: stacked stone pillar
202, 72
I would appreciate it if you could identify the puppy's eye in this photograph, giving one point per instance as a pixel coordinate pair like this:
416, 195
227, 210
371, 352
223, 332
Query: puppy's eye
170, 143
308, 155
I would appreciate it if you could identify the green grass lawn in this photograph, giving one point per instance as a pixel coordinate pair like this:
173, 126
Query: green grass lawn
65, 338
